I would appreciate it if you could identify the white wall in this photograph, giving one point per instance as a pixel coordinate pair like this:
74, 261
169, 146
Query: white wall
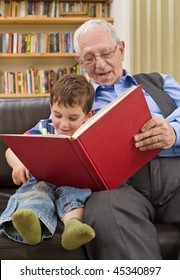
120, 11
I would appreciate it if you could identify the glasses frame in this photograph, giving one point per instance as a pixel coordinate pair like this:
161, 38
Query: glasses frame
94, 57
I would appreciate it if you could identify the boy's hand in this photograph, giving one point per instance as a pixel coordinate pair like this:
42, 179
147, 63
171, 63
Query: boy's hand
20, 174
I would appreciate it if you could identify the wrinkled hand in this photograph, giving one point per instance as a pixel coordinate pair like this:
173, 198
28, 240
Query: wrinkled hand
156, 133
20, 174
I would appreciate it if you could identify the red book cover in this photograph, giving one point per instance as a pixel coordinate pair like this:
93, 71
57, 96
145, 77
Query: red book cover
100, 155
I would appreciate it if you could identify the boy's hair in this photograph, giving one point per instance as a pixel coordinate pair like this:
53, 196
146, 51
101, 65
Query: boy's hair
70, 90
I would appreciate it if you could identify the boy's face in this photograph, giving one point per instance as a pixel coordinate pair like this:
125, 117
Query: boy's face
66, 120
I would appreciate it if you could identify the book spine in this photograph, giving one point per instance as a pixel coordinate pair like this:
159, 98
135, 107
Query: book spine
35, 80
98, 182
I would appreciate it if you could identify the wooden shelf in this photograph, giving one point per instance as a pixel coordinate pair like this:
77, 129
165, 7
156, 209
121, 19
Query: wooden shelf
102, 1
37, 55
23, 95
19, 61
38, 20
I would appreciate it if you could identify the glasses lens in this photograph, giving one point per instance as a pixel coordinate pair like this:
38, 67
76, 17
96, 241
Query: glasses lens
104, 56
89, 60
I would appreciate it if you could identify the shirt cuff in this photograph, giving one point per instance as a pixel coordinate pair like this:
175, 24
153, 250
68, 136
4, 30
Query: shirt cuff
176, 127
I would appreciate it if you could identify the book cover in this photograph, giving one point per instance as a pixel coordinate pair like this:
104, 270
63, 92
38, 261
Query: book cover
100, 155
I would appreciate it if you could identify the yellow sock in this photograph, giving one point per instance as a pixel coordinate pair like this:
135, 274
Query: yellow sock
28, 225
76, 234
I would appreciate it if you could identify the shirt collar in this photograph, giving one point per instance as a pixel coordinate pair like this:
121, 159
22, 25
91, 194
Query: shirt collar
126, 77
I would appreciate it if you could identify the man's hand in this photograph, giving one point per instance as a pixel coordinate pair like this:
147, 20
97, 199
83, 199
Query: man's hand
20, 174
157, 133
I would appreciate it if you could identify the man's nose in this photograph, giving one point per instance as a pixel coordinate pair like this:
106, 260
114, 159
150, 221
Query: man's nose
99, 60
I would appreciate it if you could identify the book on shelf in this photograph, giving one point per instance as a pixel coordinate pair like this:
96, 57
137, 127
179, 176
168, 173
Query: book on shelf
53, 8
100, 155
33, 80
72, 14
36, 42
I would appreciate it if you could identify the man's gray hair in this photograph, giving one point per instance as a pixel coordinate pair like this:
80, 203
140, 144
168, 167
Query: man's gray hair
94, 24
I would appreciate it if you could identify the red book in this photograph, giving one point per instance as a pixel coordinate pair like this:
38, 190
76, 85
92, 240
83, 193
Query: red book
100, 155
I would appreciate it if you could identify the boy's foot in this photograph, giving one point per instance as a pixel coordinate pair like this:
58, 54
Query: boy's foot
28, 225
76, 234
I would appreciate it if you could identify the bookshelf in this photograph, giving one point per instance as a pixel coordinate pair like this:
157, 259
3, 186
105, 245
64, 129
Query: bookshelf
15, 61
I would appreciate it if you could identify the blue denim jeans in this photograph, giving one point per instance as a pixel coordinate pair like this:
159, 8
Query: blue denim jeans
47, 201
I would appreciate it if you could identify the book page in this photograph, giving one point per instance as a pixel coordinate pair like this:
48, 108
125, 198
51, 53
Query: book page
37, 135
102, 112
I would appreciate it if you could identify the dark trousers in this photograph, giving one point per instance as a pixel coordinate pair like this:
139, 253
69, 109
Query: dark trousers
124, 218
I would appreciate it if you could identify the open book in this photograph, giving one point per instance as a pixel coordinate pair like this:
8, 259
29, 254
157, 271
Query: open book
100, 155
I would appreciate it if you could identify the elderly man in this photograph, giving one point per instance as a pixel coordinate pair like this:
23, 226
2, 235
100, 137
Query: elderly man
124, 218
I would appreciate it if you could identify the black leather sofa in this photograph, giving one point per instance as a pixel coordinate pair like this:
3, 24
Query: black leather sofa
16, 116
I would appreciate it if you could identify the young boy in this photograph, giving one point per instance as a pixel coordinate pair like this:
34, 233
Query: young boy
31, 213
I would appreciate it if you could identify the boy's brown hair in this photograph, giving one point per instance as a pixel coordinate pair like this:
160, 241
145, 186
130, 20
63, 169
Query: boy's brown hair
70, 90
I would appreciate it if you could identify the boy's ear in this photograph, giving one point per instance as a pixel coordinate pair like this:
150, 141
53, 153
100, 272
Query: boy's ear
50, 107
90, 114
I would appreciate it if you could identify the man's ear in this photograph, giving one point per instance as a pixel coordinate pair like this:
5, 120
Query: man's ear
121, 46
77, 58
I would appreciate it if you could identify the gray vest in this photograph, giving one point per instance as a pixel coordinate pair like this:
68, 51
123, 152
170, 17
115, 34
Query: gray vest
153, 83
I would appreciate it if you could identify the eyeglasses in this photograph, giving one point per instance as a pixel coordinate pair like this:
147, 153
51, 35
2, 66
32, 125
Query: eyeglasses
104, 56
